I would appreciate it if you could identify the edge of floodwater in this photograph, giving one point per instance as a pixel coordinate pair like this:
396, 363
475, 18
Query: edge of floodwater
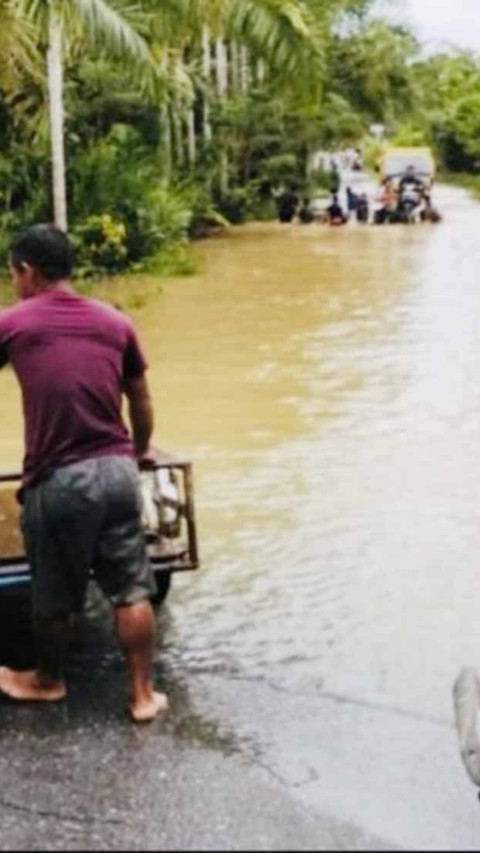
132, 290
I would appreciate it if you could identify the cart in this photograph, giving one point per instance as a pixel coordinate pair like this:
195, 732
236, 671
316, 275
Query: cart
168, 521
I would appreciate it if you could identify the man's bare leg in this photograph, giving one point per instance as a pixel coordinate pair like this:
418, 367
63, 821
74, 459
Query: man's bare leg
135, 625
47, 682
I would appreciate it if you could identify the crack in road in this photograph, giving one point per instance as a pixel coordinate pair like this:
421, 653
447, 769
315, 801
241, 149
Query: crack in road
88, 819
340, 698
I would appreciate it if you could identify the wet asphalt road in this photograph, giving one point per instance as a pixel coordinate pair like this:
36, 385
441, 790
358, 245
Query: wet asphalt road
238, 763
81, 776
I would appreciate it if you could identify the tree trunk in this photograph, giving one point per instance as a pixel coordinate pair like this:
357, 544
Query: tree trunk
222, 69
191, 138
57, 129
166, 140
245, 68
222, 89
224, 182
236, 72
207, 73
261, 71
206, 54
178, 133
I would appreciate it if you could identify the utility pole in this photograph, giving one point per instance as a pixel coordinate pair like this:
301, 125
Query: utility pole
57, 126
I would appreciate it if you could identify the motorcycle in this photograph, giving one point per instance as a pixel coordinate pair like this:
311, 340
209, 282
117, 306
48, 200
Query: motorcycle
409, 204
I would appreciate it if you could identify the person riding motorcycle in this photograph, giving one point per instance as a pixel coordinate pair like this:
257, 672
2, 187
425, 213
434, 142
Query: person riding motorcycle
410, 179
410, 192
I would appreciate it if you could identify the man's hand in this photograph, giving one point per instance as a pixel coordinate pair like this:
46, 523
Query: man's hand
150, 460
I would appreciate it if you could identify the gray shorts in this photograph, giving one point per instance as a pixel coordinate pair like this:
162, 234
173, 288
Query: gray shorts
85, 517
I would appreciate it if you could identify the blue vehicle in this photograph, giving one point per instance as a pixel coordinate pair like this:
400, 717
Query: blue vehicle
168, 521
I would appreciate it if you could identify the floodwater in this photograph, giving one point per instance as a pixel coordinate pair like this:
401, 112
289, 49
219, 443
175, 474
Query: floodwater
326, 383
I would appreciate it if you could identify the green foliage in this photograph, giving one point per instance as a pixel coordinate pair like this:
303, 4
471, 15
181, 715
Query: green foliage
122, 177
24, 196
460, 135
173, 260
320, 180
100, 245
371, 70
205, 216
410, 136
234, 205
341, 124
280, 169
470, 182
319, 74
447, 107
372, 150
165, 218
263, 210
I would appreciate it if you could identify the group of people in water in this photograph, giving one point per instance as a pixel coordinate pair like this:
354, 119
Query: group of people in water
401, 200
291, 207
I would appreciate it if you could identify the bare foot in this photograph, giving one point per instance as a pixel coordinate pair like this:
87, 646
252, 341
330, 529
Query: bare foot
148, 710
26, 687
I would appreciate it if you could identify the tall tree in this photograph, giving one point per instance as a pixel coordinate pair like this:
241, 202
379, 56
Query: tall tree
55, 20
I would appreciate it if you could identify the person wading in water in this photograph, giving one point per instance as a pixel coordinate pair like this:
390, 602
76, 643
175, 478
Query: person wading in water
74, 359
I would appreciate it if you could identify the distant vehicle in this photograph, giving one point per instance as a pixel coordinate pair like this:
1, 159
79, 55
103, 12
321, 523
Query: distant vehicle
394, 163
168, 521
409, 174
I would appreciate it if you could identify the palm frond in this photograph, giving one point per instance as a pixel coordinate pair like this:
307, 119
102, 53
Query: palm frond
282, 31
18, 39
105, 22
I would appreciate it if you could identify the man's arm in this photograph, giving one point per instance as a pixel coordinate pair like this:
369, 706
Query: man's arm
141, 414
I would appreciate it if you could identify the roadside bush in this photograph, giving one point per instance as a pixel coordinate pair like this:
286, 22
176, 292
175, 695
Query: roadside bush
235, 205
264, 210
160, 220
174, 260
205, 217
458, 135
100, 245
119, 176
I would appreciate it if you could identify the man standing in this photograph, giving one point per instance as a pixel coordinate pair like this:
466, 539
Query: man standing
74, 358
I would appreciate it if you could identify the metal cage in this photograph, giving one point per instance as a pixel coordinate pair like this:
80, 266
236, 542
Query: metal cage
175, 551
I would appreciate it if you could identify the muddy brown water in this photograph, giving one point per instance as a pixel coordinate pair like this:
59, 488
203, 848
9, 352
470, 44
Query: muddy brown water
326, 384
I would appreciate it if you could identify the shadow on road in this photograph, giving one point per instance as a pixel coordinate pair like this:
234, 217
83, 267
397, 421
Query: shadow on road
96, 676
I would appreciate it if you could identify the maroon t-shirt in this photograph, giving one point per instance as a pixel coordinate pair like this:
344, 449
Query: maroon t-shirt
71, 356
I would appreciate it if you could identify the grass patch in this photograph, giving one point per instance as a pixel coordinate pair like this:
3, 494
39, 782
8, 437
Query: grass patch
174, 260
462, 179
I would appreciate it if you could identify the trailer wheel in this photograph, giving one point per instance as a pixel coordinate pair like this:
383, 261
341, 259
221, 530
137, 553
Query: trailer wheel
163, 582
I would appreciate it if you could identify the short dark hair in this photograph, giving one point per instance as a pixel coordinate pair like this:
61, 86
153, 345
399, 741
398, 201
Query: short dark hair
45, 248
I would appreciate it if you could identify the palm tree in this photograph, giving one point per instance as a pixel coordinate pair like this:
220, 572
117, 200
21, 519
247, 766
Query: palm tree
54, 20
276, 31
